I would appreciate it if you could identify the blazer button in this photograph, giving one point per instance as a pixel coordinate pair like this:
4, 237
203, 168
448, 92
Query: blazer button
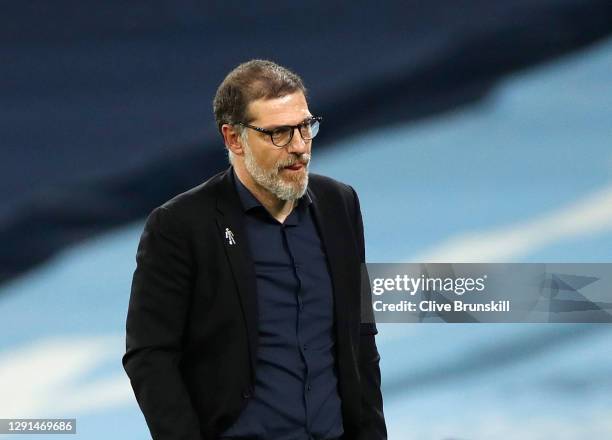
247, 393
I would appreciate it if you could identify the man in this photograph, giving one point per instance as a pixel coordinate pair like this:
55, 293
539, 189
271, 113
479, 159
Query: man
245, 313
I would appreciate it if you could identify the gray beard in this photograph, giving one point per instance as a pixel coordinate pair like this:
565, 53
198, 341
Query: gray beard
272, 181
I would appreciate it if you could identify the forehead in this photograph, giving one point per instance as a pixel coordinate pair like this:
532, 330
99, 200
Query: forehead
289, 109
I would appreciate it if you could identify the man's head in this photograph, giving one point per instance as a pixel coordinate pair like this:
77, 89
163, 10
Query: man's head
264, 95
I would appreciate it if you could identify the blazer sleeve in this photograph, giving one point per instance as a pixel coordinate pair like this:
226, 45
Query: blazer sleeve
373, 425
156, 317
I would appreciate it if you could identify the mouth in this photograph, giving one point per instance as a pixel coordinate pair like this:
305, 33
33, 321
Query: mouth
295, 167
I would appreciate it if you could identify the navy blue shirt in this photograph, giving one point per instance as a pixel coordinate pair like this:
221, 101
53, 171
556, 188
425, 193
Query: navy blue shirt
295, 394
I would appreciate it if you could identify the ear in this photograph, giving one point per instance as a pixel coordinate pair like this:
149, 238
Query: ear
232, 139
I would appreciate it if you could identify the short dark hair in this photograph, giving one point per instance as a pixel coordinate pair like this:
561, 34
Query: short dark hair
255, 79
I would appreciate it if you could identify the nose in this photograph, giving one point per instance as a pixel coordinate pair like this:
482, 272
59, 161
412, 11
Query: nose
297, 144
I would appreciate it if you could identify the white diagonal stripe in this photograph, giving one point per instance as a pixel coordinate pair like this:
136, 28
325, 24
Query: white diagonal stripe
588, 216
45, 377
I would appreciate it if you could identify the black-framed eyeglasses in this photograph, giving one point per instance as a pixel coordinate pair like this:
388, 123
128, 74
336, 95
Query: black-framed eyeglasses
281, 136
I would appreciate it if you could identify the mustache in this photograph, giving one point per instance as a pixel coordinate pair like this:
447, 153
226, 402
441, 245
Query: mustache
303, 159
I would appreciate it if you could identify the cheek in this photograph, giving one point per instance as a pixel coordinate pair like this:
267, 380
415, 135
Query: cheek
267, 157
270, 159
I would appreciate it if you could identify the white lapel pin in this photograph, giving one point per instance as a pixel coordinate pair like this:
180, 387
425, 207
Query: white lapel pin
229, 236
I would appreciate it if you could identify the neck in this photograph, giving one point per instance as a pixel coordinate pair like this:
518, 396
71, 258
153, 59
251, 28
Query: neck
279, 209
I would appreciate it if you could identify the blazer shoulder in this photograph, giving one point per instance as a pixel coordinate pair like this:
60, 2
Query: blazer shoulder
195, 203
326, 184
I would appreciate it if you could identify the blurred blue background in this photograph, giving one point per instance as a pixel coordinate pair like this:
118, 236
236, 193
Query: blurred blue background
480, 137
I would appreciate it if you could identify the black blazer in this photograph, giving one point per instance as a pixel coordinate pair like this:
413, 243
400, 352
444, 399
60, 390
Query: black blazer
192, 318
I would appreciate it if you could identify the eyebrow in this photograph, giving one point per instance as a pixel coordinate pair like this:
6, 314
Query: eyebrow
274, 127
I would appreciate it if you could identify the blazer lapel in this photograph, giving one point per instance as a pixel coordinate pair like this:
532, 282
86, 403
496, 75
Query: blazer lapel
331, 236
230, 222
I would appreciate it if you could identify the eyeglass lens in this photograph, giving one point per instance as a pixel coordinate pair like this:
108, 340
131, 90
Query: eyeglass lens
283, 135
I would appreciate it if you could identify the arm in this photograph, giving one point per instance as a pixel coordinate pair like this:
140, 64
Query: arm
372, 418
156, 318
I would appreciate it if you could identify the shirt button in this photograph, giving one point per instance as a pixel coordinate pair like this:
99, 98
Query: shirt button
246, 394
308, 387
